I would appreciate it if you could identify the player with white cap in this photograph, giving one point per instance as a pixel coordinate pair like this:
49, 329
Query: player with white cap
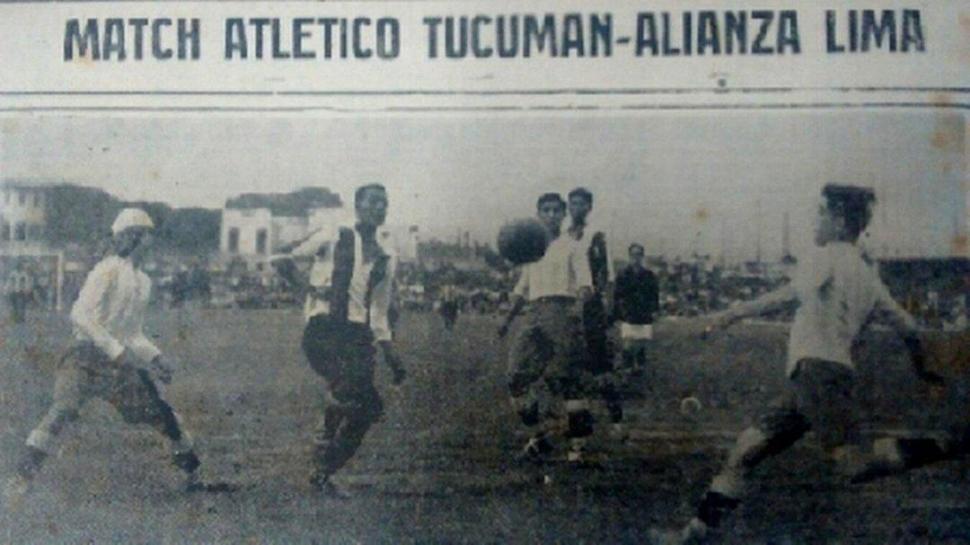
111, 357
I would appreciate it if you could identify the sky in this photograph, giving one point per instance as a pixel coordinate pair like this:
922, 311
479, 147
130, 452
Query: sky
717, 182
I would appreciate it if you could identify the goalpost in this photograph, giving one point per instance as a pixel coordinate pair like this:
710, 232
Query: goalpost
43, 269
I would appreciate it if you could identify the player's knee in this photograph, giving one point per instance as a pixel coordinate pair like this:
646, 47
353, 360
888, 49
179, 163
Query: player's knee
780, 429
170, 427
729, 483
365, 408
58, 416
375, 408
358, 419
186, 461
40, 439
750, 448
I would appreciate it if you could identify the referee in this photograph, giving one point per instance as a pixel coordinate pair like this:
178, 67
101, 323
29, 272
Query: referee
636, 299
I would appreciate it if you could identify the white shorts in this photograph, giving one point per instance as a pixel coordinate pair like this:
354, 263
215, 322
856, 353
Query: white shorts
636, 332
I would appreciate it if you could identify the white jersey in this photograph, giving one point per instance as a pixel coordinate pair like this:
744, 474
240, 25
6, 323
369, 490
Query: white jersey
837, 292
110, 310
560, 272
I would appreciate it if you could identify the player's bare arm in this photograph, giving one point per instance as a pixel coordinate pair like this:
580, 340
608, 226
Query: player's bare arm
296, 277
84, 317
162, 369
769, 302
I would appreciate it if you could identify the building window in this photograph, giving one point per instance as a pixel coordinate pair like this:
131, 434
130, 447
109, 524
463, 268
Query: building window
20, 231
34, 232
233, 244
261, 238
36, 200
22, 197
5, 231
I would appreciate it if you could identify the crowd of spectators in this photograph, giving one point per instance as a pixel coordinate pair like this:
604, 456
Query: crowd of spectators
477, 281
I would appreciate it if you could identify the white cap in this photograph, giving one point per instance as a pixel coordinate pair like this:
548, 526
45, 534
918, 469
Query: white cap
131, 217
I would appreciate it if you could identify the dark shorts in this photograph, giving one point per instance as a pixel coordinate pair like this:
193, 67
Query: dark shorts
818, 397
449, 310
343, 352
549, 348
85, 372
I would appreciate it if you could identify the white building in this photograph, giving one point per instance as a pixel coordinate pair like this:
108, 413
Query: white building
254, 234
24, 247
402, 240
245, 232
23, 221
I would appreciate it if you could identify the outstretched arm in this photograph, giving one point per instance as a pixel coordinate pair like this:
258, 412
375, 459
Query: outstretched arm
769, 302
287, 269
314, 246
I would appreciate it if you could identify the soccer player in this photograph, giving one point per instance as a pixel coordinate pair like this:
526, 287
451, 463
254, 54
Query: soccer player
111, 358
547, 360
591, 246
636, 300
20, 291
837, 292
349, 299
449, 305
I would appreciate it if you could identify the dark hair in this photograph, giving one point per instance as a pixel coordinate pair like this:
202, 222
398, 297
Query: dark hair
550, 197
635, 245
851, 203
359, 194
583, 193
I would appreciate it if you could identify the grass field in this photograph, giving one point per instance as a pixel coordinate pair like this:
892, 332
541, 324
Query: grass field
438, 468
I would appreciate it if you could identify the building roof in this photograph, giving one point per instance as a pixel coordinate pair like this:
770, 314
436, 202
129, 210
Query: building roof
295, 204
26, 183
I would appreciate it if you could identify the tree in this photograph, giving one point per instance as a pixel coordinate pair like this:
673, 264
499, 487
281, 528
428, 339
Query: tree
190, 230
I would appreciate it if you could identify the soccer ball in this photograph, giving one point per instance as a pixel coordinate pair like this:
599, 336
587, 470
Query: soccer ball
690, 406
522, 241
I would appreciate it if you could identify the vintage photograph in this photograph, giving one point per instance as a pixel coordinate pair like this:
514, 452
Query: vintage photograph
658, 326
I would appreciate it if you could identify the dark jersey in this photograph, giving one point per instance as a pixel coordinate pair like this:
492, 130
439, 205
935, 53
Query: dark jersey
636, 295
599, 262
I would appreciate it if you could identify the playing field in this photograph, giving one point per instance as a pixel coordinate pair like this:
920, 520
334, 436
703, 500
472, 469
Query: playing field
438, 468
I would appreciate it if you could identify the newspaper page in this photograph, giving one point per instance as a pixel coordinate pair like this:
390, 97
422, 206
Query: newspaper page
484, 272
